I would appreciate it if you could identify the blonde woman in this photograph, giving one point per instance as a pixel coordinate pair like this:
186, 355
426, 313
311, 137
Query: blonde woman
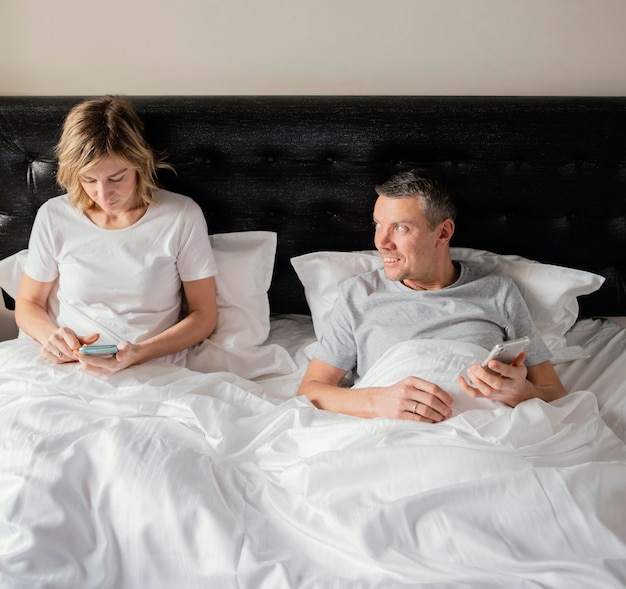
119, 251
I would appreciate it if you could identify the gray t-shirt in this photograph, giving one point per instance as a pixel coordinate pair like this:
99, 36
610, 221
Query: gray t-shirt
373, 313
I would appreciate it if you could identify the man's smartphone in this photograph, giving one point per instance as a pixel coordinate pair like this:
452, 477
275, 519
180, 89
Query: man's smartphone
106, 351
506, 351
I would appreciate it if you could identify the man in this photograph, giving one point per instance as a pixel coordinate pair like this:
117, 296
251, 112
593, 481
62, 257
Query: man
422, 293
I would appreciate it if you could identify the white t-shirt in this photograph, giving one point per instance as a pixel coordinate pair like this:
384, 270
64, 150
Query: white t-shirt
124, 284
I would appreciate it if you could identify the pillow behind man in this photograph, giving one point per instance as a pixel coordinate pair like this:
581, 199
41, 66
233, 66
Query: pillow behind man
549, 291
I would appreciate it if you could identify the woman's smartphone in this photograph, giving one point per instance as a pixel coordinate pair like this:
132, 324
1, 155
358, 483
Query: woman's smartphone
106, 351
506, 351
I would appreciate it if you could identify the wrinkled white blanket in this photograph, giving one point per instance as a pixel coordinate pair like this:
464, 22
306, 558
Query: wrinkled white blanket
163, 477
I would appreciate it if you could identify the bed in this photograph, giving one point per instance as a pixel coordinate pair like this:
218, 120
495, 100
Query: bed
218, 475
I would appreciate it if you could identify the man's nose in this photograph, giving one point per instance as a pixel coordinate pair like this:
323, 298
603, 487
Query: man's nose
382, 240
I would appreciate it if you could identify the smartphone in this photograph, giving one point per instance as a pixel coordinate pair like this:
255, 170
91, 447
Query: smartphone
106, 351
506, 351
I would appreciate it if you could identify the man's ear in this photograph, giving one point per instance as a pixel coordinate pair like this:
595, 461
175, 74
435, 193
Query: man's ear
446, 230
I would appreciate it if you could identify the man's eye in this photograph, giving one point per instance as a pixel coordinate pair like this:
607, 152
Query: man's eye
402, 228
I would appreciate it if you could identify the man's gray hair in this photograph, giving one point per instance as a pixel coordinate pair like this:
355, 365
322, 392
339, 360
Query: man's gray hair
426, 186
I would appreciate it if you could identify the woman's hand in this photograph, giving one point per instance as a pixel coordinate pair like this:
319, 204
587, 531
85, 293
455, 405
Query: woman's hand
127, 355
63, 343
58, 344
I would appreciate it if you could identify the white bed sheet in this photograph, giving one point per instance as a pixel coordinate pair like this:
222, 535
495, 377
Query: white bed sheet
162, 477
603, 372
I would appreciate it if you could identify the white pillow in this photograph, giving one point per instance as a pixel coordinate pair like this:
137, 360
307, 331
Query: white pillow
11, 272
245, 262
550, 291
321, 273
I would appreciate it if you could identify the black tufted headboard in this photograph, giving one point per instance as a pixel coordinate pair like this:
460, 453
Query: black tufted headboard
540, 177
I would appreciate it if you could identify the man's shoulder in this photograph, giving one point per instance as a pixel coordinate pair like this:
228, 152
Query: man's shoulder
366, 282
487, 282
472, 271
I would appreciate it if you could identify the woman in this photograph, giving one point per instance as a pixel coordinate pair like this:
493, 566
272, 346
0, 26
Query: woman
118, 249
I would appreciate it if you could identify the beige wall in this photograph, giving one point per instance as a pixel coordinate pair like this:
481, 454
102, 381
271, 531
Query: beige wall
495, 47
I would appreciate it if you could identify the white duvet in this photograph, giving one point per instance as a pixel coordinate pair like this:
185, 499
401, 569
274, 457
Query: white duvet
163, 477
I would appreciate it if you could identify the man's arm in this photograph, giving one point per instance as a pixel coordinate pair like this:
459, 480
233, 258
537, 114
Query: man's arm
411, 398
546, 382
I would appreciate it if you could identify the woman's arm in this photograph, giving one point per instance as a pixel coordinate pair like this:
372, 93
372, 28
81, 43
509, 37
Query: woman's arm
196, 326
31, 315
31, 308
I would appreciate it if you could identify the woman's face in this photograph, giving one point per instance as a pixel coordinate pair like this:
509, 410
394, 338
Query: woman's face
112, 185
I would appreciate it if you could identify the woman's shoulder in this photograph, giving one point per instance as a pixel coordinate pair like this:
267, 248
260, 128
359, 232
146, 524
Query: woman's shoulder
163, 196
56, 202
55, 206
168, 205
174, 200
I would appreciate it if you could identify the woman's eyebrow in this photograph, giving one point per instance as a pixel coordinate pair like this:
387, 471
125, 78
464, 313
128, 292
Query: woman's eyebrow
123, 171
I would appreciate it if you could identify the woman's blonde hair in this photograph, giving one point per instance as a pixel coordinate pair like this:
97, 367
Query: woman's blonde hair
101, 127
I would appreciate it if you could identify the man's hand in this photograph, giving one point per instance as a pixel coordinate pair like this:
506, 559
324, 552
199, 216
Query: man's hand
507, 383
411, 398
514, 383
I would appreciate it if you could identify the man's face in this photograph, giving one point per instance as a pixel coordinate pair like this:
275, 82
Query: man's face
410, 250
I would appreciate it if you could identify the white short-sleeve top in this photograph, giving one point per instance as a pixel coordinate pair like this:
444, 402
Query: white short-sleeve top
124, 283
